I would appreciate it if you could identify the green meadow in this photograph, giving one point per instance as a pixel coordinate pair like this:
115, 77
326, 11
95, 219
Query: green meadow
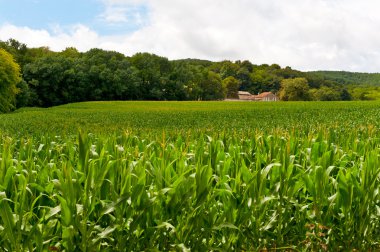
191, 176
107, 118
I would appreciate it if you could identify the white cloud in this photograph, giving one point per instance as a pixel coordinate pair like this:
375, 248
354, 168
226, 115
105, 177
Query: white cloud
115, 15
80, 36
123, 12
304, 34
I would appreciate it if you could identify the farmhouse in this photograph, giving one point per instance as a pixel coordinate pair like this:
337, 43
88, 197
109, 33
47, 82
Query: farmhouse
243, 95
265, 96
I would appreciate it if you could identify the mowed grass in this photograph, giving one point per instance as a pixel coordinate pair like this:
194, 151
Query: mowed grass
200, 176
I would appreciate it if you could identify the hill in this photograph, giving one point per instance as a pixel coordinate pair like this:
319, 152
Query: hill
344, 77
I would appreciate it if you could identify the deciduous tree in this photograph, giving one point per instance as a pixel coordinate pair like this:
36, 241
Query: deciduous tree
9, 78
231, 86
324, 94
296, 89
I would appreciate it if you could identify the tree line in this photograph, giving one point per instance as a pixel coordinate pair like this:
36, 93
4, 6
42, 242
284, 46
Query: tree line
46, 78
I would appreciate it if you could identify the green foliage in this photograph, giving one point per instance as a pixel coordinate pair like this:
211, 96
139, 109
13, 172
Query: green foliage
9, 78
194, 176
211, 86
296, 89
364, 92
24, 96
231, 86
53, 78
194, 62
96, 75
50, 78
225, 68
22, 54
343, 77
324, 94
153, 73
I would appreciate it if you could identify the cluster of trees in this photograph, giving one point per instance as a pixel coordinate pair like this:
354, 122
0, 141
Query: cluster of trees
46, 78
361, 86
298, 89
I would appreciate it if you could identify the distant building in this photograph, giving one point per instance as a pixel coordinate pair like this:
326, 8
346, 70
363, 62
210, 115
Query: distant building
265, 96
243, 95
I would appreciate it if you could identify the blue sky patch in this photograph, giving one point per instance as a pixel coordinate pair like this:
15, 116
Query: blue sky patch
47, 14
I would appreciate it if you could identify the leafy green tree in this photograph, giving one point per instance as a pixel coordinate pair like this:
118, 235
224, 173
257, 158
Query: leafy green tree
231, 86
22, 54
345, 95
9, 78
363, 92
17, 49
288, 73
33, 54
296, 89
246, 64
71, 52
154, 72
177, 85
104, 75
324, 94
51, 78
188, 78
228, 69
25, 96
211, 86
243, 75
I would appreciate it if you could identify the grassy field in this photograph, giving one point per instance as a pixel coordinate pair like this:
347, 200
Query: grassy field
154, 117
200, 176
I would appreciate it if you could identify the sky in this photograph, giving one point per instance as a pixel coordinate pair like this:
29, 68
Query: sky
302, 34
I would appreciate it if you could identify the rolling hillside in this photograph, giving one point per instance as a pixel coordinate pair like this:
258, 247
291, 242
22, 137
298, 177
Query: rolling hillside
344, 77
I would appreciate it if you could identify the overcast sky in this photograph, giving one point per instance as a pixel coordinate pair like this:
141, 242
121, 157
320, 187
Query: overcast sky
303, 34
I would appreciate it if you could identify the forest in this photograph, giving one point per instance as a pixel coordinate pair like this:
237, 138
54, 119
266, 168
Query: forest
51, 78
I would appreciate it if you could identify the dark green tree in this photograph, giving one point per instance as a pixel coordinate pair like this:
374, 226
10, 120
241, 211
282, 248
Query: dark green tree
154, 72
211, 86
51, 78
231, 86
225, 68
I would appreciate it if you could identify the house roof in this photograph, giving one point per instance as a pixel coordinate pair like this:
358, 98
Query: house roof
264, 94
244, 93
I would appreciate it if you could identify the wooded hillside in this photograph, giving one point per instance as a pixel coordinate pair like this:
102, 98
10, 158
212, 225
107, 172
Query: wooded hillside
343, 77
53, 78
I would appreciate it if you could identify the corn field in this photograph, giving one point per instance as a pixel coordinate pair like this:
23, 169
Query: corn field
254, 186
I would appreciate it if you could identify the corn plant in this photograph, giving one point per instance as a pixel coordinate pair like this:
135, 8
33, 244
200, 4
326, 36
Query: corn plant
166, 188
